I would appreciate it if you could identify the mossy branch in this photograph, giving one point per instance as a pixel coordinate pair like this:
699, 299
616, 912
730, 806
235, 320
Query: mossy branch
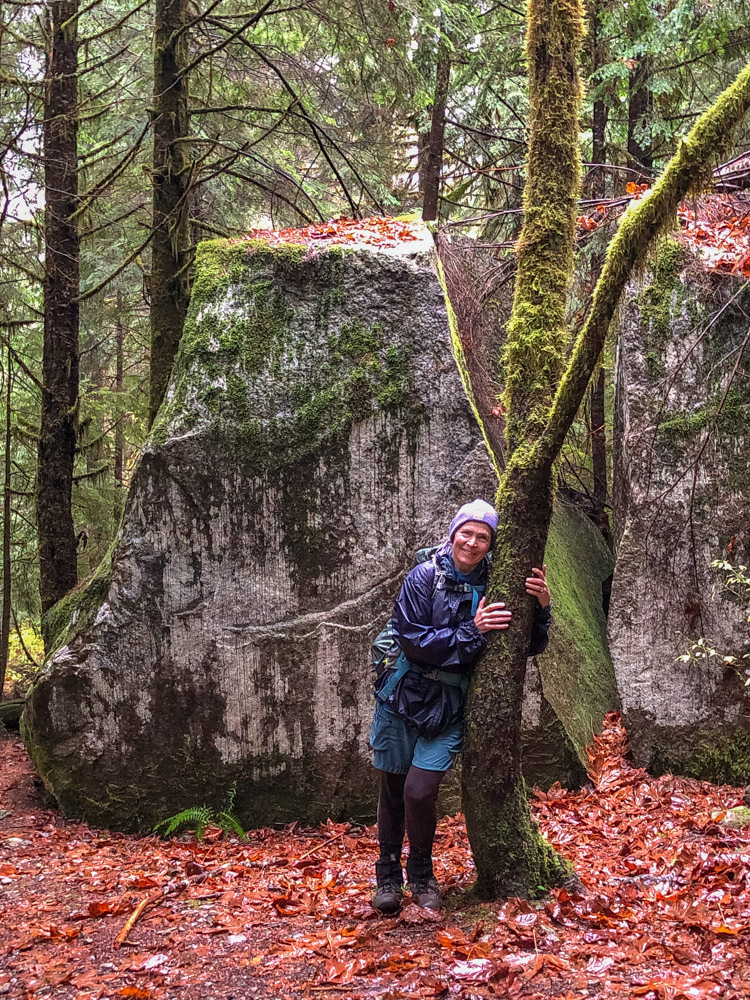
688, 169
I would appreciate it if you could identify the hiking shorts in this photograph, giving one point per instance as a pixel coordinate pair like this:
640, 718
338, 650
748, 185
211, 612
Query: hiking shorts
396, 747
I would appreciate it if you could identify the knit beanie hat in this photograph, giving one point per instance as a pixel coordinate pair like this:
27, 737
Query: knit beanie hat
477, 510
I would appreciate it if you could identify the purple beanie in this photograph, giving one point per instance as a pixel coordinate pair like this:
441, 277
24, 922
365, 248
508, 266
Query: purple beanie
477, 510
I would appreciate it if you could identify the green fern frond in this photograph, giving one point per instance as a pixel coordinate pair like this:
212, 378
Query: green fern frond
231, 796
230, 824
196, 816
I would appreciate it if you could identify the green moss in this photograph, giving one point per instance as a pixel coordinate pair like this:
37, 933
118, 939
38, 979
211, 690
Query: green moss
736, 818
720, 757
683, 428
76, 611
534, 354
657, 298
513, 858
577, 674
241, 330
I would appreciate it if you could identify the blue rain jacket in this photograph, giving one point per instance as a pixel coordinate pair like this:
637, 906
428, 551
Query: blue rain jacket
435, 628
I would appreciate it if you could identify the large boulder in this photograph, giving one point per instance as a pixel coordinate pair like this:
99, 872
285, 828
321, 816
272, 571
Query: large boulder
681, 500
315, 434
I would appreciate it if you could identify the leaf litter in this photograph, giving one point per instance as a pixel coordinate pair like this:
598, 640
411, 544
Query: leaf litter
715, 227
664, 912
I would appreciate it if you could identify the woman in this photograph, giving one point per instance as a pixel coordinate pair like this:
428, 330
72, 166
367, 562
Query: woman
441, 623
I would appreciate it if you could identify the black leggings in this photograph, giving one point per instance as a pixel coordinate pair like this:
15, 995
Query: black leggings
409, 800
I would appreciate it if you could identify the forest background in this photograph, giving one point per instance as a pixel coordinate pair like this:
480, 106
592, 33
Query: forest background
145, 128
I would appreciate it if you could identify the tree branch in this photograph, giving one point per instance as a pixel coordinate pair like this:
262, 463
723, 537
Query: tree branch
643, 221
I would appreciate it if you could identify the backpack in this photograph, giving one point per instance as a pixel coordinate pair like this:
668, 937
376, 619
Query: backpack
385, 651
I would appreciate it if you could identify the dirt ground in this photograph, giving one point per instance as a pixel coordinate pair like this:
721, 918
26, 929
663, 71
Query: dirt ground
664, 913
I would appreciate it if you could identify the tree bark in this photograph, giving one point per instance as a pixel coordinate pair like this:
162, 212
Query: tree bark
170, 253
5, 620
597, 176
119, 384
434, 156
510, 855
57, 440
598, 189
598, 434
640, 105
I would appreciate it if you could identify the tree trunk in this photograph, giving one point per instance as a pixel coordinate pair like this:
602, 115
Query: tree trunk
597, 177
434, 158
57, 440
119, 383
597, 188
598, 433
170, 255
5, 620
640, 105
511, 856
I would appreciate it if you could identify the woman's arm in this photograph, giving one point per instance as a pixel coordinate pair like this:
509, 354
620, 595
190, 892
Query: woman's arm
454, 649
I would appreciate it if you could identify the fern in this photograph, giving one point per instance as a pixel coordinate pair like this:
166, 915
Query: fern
199, 817
230, 824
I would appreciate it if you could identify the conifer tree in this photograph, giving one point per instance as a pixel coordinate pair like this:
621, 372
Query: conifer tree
57, 440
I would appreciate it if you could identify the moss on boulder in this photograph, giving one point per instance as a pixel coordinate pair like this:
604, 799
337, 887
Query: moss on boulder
315, 433
577, 676
681, 500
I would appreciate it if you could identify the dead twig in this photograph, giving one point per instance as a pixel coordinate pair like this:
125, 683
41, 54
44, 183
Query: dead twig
169, 889
320, 847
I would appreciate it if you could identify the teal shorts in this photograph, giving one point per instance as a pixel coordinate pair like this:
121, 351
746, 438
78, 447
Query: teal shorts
397, 747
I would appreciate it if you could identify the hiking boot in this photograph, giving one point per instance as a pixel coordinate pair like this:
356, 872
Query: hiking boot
426, 894
388, 897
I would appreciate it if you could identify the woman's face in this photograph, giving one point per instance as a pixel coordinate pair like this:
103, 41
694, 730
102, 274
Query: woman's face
471, 543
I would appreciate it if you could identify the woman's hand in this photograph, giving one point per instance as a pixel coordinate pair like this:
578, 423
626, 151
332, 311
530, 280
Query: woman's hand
490, 617
536, 586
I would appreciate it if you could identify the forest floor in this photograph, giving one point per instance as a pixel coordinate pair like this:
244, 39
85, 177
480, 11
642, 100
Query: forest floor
664, 912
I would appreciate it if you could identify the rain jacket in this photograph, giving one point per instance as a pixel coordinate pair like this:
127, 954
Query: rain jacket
434, 626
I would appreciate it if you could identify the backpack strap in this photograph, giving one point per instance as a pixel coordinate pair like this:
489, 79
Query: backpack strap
475, 599
402, 666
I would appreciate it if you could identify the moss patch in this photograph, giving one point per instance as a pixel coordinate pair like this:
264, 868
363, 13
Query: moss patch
656, 300
722, 756
76, 612
242, 334
577, 674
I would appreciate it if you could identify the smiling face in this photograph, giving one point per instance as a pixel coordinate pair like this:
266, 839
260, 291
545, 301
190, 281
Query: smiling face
471, 543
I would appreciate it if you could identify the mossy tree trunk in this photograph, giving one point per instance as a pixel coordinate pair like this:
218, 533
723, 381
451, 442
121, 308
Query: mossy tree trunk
5, 618
170, 244
542, 397
510, 855
60, 362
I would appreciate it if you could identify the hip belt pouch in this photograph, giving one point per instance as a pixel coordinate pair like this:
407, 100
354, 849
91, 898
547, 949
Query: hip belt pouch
425, 705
